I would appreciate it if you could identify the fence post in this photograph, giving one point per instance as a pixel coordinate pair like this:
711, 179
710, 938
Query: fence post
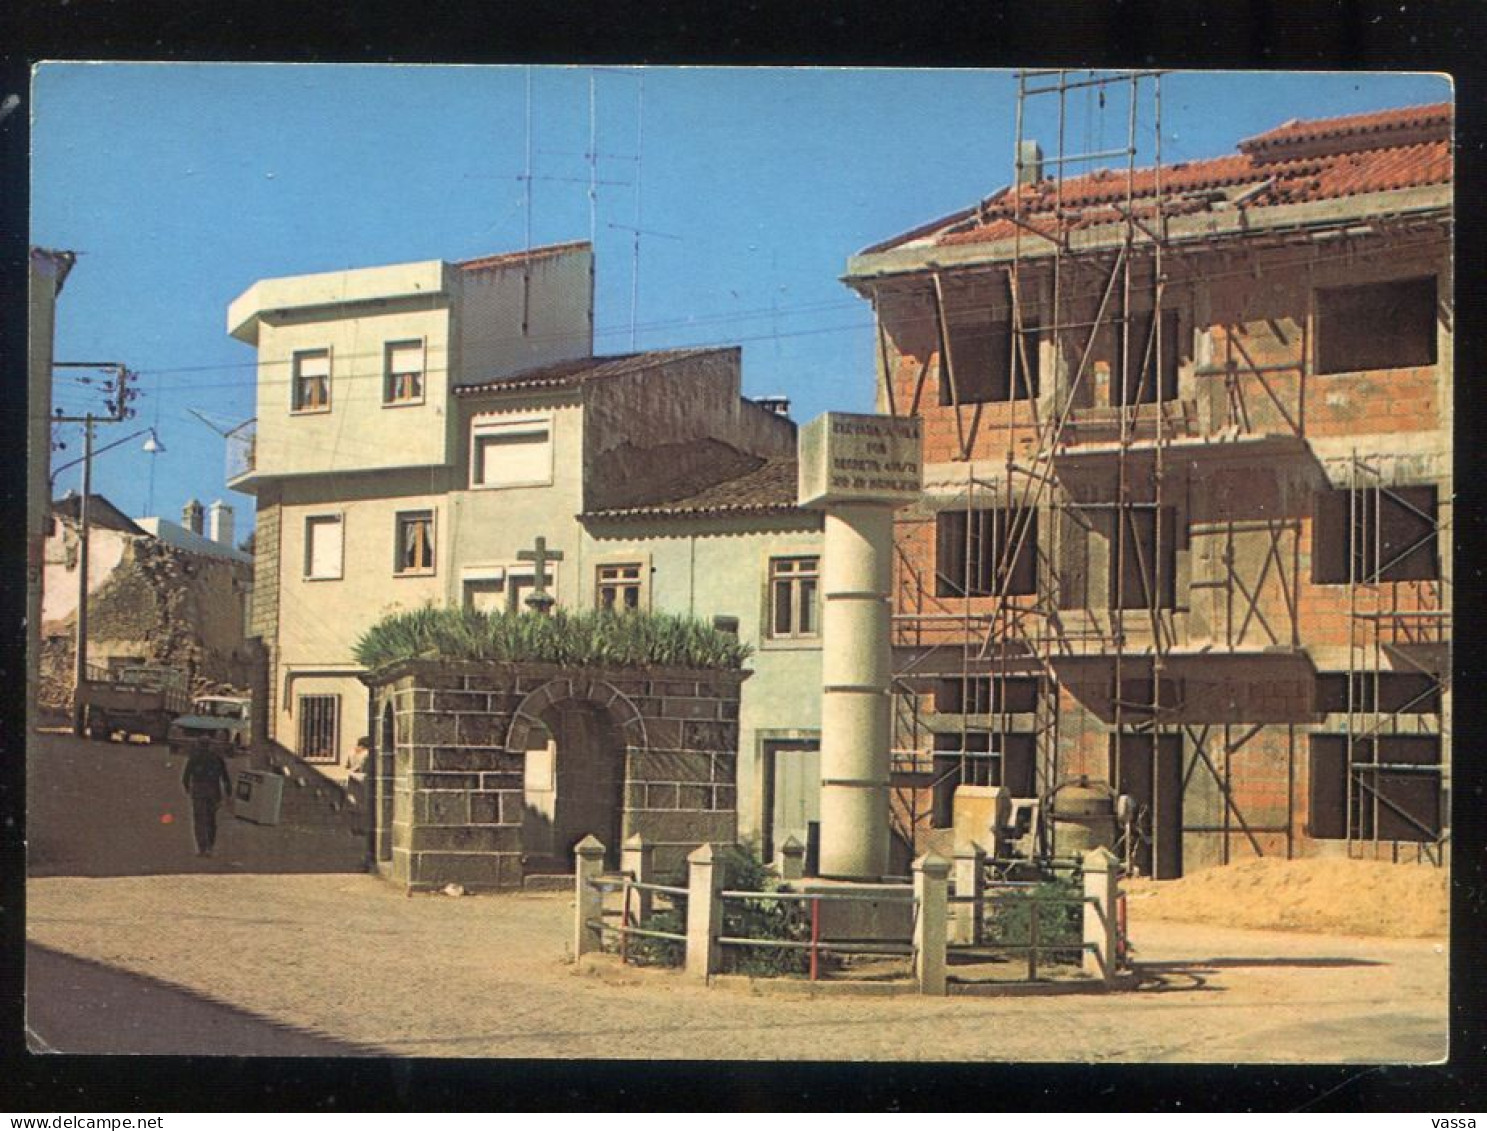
931, 879
705, 875
970, 872
588, 864
638, 859
792, 859
1101, 885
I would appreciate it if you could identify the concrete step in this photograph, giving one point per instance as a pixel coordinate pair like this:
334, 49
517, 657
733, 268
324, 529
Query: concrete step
546, 882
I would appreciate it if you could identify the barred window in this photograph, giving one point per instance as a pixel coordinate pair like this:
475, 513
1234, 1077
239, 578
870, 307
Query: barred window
319, 720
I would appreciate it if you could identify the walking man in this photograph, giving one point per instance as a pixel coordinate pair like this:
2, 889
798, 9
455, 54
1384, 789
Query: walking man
206, 782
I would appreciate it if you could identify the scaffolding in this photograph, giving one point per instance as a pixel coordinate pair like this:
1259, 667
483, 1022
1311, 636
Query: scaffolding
1021, 635
1396, 625
1070, 466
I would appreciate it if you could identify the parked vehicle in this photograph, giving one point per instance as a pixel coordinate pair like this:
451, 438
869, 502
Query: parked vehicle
140, 699
223, 721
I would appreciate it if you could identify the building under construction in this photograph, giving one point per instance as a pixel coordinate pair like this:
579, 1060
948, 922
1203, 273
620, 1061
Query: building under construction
1186, 527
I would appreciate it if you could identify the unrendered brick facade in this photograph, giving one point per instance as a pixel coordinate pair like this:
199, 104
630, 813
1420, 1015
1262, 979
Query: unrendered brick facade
1186, 529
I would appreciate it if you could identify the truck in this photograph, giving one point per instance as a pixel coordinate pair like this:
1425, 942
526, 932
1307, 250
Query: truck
219, 721
138, 699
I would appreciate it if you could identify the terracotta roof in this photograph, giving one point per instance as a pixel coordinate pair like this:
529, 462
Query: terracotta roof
1297, 162
506, 258
769, 488
576, 371
1379, 123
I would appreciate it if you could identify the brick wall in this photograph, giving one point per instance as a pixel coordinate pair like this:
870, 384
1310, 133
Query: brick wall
1246, 538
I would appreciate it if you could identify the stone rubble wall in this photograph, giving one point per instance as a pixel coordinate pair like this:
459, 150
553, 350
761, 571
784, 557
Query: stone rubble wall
161, 605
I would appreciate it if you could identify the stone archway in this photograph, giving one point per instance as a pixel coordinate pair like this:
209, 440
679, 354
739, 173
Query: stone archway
575, 738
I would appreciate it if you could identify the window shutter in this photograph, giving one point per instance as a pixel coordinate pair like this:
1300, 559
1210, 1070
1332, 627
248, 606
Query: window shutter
325, 547
406, 358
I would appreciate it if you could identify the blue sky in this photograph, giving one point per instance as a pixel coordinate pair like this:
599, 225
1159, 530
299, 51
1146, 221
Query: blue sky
181, 184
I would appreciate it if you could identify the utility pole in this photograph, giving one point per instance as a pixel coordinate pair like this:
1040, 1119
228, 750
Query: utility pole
80, 650
118, 410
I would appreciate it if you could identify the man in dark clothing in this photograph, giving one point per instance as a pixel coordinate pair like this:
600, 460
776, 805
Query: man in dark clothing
206, 782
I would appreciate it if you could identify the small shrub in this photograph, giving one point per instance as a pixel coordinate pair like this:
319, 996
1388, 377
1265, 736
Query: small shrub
643, 951
1009, 920
784, 919
590, 638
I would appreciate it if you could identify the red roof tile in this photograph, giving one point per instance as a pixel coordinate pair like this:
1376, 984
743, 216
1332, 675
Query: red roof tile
768, 488
1294, 163
578, 370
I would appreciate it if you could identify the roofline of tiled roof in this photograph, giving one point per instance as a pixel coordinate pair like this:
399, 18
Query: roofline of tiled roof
1399, 118
715, 510
1235, 223
502, 258
516, 382
1293, 133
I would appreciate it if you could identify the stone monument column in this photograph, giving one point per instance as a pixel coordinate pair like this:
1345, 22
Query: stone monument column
857, 469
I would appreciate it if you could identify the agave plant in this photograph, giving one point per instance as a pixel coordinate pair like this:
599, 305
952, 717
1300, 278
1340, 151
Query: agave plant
597, 638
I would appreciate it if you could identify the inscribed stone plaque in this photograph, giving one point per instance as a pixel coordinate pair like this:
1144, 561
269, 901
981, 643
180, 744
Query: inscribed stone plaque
858, 458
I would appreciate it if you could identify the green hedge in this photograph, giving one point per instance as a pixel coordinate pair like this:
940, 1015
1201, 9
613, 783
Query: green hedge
596, 638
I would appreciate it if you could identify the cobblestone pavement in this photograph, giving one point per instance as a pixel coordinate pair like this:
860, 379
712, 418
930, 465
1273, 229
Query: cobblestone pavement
349, 958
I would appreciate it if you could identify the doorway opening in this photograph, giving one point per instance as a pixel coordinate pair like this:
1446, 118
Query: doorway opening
792, 797
573, 786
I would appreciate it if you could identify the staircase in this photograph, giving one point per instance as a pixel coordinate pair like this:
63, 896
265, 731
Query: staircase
313, 799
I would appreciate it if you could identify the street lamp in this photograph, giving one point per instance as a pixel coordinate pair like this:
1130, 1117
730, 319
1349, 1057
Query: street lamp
152, 445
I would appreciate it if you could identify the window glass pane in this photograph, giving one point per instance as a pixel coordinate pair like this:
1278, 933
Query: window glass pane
781, 608
313, 364
807, 606
632, 596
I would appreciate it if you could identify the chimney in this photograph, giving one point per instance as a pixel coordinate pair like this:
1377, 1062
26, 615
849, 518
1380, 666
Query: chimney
1029, 162
778, 405
219, 523
191, 516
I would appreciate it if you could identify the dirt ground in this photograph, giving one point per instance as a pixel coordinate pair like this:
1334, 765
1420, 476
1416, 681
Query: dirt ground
348, 957
1343, 896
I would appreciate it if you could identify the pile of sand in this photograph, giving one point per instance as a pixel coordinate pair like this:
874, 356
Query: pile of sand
1352, 897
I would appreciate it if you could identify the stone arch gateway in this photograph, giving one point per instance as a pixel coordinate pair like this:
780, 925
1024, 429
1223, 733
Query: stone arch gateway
662, 747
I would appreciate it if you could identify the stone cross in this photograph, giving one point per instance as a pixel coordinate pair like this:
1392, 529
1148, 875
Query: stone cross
539, 599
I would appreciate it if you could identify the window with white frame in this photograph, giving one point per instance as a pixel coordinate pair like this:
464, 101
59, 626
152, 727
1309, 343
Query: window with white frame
498, 589
618, 587
311, 381
793, 613
414, 540
323, 547
402, 381
511, 453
